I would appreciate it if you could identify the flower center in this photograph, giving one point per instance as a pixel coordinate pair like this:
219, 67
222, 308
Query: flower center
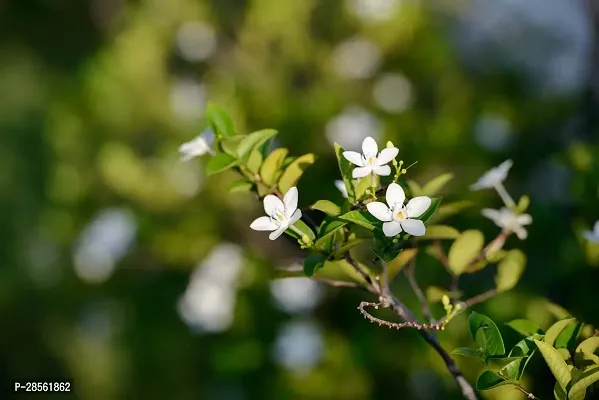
399, 213
371, 160
279, 215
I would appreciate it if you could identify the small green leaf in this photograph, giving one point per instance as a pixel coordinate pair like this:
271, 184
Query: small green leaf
465, 351
489, 380
435, 185
523, 351
312, 264
398, 263
219, 163
486, 334
346, 168
525, 327
326, 231
304, 229
415, 189
271, 166
523, 204
556, 363
464, 250
294, 171
230, 144
345, 247
255, 161
510, 270
219, 121
448, 210
240, 186
253, 141
568, 337
440, 232
589, 345
362, 218
327, 207
435, 201
434, 294
557, 328
501, 362
362, 185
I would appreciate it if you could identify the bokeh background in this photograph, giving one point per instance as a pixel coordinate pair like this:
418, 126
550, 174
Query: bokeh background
136, 276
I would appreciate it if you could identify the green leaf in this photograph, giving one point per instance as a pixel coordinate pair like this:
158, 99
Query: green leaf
255, 161
584, 360
501, 362
464, 250
523, 204
523, 351
510, 270
345, 247
525, 327
568, 337
486, 334
219, 163
434, 294
435, 185
362, 218
326, 231
435, 201
304, 229
253, 141
448, 210
559, 393
240, 186
327, 207
294, 171
230, 144
398, 263
219, 121
556, 363
557, 328
489, 380
440, 232
415, 189
465, 351
271, 166
346, 168
363, 185
312, 264
589, 345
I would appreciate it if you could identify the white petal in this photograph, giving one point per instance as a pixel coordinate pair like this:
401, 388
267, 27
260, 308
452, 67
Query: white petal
504, 168
380, 211
295, 217
414, 227
417, 206
521, 233
354, 158
391, 228
493, 215
369, 147
395, 195
384, 170
361, 172
387, 155
340, 185
596, 228
524, 219
272, 204
591, 236
275, 235
290, 200
264, 224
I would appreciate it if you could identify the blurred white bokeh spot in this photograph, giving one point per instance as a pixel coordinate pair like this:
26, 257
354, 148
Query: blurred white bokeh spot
186, 178
188, 98
492, 132
299, 346
196, 41
351, 127
296, 295
356, 58
392, 92
373, 10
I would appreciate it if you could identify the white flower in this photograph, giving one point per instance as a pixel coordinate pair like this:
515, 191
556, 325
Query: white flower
509, 221
592, 236
281, 214
340, 185
199, 146
398, 217
371, 161
493, 177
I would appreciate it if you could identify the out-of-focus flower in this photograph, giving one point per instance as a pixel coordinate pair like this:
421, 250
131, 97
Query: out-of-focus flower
340, 185
371, 161
493, 177
592, 236
281, 214
199, 146
509, 221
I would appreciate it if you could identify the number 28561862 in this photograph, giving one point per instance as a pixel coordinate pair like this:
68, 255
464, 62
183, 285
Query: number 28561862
43, 387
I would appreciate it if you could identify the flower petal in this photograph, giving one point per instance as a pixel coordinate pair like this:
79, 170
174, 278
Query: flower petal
361, 172
369, 147
387, 155
503, 168
272, 204
493, 215
395, 195
380, 211
295, 217
524, 219
340, 185
414, 227
264, 224
275, 235
354, 158
521, 233
290, 200
391, 228
417, 206
383, 170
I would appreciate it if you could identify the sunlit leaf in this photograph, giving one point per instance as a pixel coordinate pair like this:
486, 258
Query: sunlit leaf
255, 161
556, 363
345, 247
489, 380
362, 185
557, 328
568, 338
398, 263
510, 270
525, 327
303, 228
272, 165
294, 171
362, 218
441, 232
241, 186
345, 168
230, 144
486, 334
450, 209
434, 294
415, 189
219, 121
253, 141
435, 185
219, 163
464, 250
589, 345
578, 389
327, 207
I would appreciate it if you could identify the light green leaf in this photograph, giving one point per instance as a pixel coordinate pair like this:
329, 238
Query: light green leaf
398, 263
219, 163
589, 345
440, 232
435, 185
559, 393
465, 351
240, 186
255, 161
464, 250
564, 353
501, 362
523, 204
486, 334
489, 380
253, 141
415, 189
346, 168
510, 270
556, 363
294, 171
219, 121
271, 166
448, 210
345, 247
312, 264
435, 202
363, 219
327, 207
525, 327
568, 337
230, 144
434, 294
557, 328
326, 231
303, 228
362, 185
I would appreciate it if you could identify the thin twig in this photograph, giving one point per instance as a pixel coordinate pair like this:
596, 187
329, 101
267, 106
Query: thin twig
394, 325
410, 274
334, 283
480, 298
527, 394
372, 286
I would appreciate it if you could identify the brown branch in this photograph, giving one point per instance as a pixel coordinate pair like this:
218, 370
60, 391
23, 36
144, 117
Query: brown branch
410, 274
394, 325
334, 283
526, 393
480, 298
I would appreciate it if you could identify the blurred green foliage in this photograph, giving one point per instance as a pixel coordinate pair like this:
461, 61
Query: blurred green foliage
98, 95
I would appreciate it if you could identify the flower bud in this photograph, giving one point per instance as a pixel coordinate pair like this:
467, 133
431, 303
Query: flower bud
390, 144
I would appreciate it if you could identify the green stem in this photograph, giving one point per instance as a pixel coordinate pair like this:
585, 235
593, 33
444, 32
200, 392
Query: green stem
505, 196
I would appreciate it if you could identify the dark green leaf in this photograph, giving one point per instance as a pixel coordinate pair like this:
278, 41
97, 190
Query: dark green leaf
450, 209
326, 232
489, 380
486, 334
272, 165
363, 219
253, 141
312, 264
501, 362
525, 327
524, 350
219, 121
345, 247
327, 207
294, 171
220, 162
346, 168
465, 351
